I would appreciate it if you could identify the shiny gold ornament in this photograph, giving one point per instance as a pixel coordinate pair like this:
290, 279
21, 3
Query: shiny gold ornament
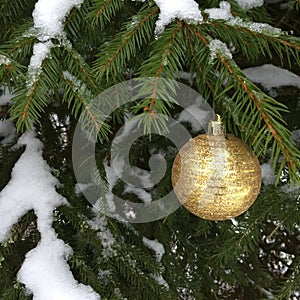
215, 176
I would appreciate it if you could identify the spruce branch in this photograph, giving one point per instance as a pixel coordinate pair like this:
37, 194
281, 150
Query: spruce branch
32, 97
274, 132
11, 72
134, 35
256, 116
258, 42
103, 11
296, 4
80, 30
12, 15
242, 239
15, 291
200, 61
20, 46
11, 10
167, 56
79, 98
86, 273
291, 282
76, 64
165, 60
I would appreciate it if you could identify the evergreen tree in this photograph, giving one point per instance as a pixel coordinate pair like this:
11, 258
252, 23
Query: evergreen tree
55, 69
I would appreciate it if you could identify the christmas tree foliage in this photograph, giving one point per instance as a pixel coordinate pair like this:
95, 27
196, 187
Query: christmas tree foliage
56, 57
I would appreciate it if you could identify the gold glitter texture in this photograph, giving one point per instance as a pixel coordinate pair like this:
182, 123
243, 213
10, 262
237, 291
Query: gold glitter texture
216, 177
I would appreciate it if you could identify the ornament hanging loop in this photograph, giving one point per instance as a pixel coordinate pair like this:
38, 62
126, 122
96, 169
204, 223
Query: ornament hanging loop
216, 127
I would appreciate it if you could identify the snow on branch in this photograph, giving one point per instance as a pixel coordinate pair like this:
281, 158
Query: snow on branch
224, 13
216, 46
7, 131
270, 76
156, 246
45, 271
221, 13
187, 10
159, 252
48, 19
40, 52
4, 60
248, 4
49, 16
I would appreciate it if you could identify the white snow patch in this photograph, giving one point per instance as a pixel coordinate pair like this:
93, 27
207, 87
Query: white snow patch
156, 246
45, 271
81, 187
248, 4
270, 76
159, 252
186, 76
119, 168
289, 188
143, 176
4, 60
99, 223
234, 222
295, 135
268, 175
222, 13
32, 172
7, 132
6, 96
110, 202
111, 175
130, 127
256, 27
49, 17
112, 179
105, 276
141, 193
160, 280
129, 212
40, 52
216, 46
196, 116
187, 10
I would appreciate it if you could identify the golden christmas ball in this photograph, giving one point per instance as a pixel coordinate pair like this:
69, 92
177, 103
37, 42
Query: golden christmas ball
216, 177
